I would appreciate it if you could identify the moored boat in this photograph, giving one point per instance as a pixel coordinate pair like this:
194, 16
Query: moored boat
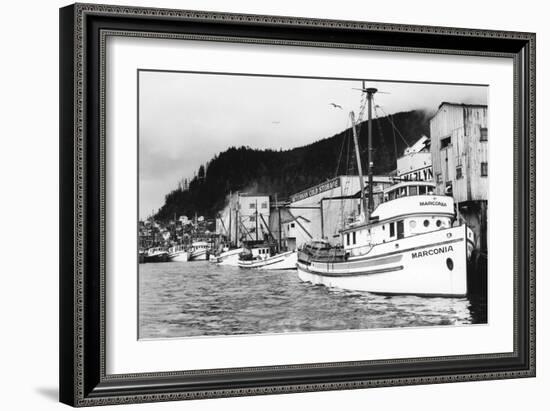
155, 255
178, 253
260, 257
199, 251
408, 247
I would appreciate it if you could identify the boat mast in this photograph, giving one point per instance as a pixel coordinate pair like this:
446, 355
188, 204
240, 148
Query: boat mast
175, 229
367, 207
237, 221
280, 242
256, 220
370, 92
359, 167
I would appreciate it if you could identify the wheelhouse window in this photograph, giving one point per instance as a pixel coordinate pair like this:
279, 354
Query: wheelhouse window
483, 134
392, 229
484, 169
423, 189
347, 239
445, 142
459, 172
413, 190
264, 205
252, 206
354, 237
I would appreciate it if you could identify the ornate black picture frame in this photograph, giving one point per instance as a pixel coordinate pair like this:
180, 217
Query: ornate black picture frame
83, 30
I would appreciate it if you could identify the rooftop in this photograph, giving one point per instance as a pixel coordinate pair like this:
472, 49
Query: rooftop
448, 103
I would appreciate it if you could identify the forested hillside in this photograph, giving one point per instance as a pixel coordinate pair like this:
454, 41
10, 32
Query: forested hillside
286, 172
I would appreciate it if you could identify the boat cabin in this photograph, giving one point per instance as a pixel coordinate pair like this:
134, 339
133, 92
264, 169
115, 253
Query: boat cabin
255, 251
176, 248
409, 208
406, 189
260, 252
155, 250
200, 245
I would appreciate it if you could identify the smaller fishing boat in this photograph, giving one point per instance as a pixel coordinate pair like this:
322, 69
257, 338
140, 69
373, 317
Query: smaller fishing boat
261, 257
199, 251
155, 255
227, 257
178, 253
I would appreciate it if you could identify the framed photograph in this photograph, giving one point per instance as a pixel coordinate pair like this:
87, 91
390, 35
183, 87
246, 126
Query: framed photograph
262, 204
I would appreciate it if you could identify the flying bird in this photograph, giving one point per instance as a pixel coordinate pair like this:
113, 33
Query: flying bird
336, 105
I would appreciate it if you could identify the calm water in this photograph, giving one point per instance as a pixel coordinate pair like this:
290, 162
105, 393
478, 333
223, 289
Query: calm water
200, 298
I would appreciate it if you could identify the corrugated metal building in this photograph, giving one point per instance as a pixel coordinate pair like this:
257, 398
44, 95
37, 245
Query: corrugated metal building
459, 139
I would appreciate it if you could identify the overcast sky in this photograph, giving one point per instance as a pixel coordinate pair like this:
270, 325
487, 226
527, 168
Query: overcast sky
185, 119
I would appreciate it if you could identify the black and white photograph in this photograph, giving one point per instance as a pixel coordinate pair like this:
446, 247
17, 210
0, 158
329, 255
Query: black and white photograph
277, 204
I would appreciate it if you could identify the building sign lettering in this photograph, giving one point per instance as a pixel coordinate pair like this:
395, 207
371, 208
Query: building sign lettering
425, 174
320, 188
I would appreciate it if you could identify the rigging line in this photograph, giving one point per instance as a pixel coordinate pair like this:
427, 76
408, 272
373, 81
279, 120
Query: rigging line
380, 127
394, 144
341, 149
362, 106
394, 127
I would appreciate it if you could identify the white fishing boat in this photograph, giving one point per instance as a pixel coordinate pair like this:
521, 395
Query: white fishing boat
407, 245
199, 251
227, 257
260, 257
178, 253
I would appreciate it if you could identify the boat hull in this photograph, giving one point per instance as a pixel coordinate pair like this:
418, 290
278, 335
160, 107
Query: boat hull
283, 261
431, 264
157, 258
230, 257
180, 257
198, 255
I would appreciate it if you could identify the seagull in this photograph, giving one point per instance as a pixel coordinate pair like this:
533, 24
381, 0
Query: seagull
335, 105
